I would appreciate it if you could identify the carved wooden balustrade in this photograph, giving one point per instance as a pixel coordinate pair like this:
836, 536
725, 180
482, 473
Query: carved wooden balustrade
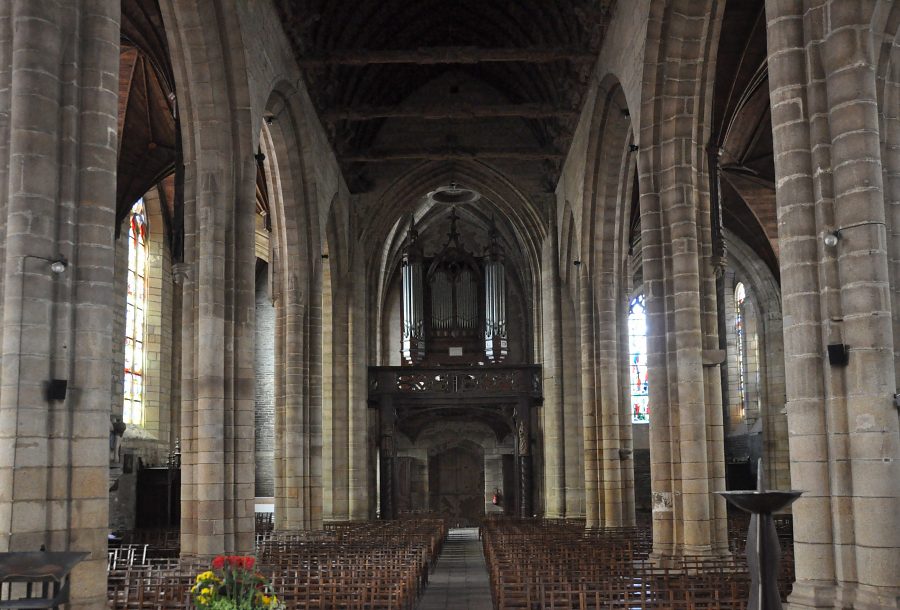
460, 385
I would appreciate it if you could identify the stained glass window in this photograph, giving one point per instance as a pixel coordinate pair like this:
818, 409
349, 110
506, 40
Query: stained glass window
637, 361
740, 335
133, 407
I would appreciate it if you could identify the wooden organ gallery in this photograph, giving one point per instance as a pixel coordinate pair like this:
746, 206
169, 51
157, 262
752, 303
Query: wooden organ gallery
454, 344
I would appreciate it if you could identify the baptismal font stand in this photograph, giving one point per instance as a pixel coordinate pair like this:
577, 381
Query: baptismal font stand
763, 550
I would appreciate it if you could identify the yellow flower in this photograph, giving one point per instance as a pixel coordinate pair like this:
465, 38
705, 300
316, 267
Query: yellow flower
206, 576
202, 599
205, 591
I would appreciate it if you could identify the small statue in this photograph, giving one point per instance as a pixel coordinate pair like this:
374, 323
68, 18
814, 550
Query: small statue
116, 430
522, 434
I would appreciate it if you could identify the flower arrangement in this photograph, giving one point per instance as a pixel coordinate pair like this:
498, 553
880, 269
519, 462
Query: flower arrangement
232, 584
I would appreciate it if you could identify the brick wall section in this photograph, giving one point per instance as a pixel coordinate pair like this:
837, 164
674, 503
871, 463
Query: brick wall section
264, 389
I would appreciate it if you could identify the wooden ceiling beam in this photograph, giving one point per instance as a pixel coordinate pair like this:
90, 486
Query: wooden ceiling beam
425, 56
448, 155
446, 111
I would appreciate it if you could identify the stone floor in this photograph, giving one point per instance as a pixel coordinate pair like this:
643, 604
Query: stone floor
460, 579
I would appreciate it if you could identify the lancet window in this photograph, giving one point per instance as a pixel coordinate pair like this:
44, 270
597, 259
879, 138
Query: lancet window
637, 361
135, 309
740, 295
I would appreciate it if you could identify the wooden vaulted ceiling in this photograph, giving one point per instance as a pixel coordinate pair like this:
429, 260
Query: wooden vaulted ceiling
363, 59
148, 129
742, 130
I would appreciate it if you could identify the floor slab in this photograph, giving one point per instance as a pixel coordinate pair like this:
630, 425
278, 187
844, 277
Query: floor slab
460, 578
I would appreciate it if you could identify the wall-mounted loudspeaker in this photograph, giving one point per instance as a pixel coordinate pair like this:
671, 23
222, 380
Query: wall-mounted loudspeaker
56, 389
838, 354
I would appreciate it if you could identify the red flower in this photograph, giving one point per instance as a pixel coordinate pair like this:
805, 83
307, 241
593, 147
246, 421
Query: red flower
249, 563
218, 563
235, 561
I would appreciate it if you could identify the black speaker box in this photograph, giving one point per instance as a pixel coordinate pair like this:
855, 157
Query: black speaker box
838, 354
56, 389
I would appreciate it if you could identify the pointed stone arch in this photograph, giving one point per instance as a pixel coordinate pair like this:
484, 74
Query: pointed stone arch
218, 297
687, 457
603, 286
298, 250
519, 218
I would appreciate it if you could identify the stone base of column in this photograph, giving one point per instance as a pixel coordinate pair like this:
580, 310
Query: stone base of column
673, 560
807, 594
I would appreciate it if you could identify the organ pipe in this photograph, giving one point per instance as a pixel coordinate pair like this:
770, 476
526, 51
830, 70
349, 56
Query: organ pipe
413, 342
495, 335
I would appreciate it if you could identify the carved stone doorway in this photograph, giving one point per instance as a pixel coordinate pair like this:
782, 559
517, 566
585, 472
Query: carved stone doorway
456, 483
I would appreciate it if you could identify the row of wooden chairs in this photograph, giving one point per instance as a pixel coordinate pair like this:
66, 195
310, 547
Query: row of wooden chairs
559, 564
264, 522
360, 566
126, 556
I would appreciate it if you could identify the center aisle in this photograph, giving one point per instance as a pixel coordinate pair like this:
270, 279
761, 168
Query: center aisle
460, 579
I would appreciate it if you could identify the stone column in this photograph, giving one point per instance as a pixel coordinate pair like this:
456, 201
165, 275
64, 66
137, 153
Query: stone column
613, 447
843, 425
626, 427
298, 410
335, 412
775, 431
687, 448
589, 416
358, 428
58, 89
218, 413
217, 342
865, 304
552, 413
294, 478
329, 409
573, 422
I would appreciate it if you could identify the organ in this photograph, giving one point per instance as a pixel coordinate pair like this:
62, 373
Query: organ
454, 303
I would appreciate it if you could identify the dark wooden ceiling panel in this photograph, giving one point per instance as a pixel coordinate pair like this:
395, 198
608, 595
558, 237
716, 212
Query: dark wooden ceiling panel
742, 130
148, 128
365, 54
